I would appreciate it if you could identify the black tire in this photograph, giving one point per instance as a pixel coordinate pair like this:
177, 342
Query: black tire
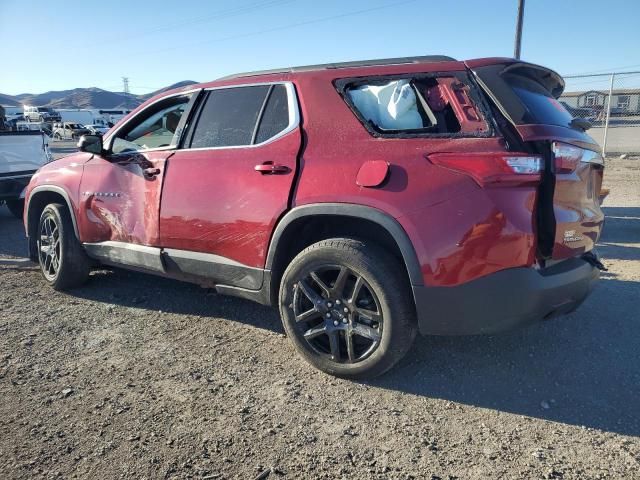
16, 207
336, 271
56, 237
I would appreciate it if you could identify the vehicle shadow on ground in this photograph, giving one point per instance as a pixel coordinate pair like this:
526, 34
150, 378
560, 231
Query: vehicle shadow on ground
143, 291
582, 369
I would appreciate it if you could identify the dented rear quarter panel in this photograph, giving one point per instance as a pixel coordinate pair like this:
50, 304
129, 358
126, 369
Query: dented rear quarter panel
460, 231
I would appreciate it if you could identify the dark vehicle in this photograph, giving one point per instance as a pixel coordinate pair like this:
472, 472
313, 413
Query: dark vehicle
367, 201
21, 154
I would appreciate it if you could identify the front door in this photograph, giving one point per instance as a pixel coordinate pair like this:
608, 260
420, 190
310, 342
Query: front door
120, 190
228, 185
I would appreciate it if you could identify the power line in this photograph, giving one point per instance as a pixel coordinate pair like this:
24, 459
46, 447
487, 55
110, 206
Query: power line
605, 71
231, 12
282, 27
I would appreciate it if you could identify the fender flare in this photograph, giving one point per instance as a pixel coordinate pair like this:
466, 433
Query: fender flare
372, 214
63, 193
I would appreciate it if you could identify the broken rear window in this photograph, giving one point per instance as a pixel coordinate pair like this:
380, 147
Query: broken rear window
414, 106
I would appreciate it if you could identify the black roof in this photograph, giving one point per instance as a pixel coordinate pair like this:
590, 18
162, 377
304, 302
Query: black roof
359, 63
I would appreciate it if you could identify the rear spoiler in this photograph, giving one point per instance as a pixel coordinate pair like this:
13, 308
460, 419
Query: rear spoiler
550, 79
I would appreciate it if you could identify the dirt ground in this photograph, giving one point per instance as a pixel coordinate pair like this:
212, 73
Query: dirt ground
133, 376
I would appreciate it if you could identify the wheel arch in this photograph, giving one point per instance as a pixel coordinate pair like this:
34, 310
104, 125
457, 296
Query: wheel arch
291, 236
39, 198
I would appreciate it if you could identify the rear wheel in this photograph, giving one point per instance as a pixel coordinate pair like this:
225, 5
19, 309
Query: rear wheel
16, 207
347, 308
63, 261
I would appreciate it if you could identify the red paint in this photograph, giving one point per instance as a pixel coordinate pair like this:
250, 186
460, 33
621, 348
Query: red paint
215, 201
118, 202
461, 225
372, 173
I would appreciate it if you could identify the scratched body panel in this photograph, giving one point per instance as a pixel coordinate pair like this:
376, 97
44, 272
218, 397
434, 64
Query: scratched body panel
214, 201
118, 202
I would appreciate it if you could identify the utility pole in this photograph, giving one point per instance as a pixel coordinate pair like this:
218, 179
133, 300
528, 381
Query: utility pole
125, 89
516, 49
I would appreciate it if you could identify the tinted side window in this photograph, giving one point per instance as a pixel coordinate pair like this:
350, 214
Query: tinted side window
276, 115
229, 117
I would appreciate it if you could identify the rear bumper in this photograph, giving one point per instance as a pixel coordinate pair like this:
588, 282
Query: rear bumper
504, 300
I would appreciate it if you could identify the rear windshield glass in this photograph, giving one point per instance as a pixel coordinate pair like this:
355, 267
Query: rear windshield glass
541, 106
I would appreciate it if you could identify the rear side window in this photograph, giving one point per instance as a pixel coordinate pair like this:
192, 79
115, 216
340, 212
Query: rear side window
276, 114
229, 117
415, 106
541, 106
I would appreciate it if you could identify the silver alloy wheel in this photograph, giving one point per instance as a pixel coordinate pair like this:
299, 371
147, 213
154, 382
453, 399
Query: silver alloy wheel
49, 247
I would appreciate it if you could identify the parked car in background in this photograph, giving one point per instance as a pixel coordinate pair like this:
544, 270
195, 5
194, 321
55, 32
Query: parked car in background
21, 154
408, 197
41, 114
69, 131
97, 129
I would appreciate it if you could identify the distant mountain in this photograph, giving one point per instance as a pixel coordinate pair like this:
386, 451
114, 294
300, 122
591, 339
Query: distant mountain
9, 100
84, 98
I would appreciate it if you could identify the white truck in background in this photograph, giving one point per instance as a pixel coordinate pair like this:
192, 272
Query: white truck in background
21, 155
81, 116
111, 116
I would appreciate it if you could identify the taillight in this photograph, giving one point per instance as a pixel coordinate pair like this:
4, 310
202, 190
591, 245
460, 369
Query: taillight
499, 168
566, 157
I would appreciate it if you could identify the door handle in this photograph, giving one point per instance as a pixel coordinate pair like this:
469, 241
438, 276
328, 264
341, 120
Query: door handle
270, 168
150, 172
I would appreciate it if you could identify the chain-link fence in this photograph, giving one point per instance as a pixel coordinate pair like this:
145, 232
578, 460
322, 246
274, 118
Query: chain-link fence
611, 103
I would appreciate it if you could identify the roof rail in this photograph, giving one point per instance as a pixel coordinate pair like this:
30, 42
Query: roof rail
358, 63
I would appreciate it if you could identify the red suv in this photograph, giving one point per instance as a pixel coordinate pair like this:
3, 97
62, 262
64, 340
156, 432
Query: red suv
366, 200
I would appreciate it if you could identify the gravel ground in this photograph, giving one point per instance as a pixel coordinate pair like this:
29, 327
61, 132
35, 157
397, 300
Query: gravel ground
134, 376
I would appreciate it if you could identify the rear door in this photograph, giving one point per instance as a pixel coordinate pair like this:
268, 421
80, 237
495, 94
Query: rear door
231, 181
569, 214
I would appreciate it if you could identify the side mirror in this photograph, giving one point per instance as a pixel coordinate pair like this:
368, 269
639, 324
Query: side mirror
91, 144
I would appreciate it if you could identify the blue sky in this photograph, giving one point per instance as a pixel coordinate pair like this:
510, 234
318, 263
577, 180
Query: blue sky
59, 44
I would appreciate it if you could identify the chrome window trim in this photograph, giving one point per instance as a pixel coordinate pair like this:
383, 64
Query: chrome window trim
109, 141
292, 104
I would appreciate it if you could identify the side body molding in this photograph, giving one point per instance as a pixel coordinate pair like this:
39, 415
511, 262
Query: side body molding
62, 192
374, 215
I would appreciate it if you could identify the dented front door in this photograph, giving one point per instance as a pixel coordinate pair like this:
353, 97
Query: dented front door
120, 197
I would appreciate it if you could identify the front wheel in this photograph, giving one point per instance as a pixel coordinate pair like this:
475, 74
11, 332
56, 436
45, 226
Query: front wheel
347, 308
63, 261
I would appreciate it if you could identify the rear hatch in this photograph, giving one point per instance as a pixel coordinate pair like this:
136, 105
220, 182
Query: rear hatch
569, 215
